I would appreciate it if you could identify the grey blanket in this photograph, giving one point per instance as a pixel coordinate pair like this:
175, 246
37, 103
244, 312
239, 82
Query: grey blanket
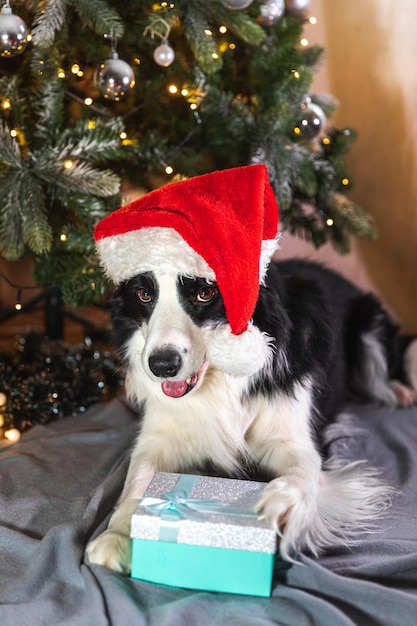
58, 486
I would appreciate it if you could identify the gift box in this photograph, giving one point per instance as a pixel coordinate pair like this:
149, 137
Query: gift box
201, 532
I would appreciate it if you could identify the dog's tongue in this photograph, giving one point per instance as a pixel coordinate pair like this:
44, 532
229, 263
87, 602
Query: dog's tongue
174, 389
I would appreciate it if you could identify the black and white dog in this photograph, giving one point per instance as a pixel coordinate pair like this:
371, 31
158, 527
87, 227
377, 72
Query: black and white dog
323, 340
327, 338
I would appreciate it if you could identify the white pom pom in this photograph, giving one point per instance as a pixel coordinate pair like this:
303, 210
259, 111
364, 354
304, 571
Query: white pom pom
239, 355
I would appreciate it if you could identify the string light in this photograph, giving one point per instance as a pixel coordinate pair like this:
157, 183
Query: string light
222, 30
63, 237
68, 164
295, 73
208, 32
61, 73
169, 170
304, 42
345, 181
6, 104
13, 132
326, 141
75, 68
12, 435
123, 135
329, 221
312, 19
173, 89
88, 101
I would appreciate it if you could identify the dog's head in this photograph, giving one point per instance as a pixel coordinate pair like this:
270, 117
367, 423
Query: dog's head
188, 260
173, 328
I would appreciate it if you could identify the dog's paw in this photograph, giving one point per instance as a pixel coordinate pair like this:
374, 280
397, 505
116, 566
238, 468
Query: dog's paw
406, 396
290, 508
112, 550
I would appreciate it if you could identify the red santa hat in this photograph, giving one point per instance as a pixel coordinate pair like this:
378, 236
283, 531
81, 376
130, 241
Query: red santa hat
221, 226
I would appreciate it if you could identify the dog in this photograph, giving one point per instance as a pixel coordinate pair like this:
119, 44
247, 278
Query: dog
237, 379
327, 340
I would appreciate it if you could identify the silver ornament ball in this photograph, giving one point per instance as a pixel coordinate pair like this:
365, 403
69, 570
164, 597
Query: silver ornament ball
13, 34
311, 122
271, 12
297, 7
237, 5
114, 77
164, 55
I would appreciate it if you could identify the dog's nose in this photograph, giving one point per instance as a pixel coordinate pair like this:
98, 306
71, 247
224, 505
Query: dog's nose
165, 363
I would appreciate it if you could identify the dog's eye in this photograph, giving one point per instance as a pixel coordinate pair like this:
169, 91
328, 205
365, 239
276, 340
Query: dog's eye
205, 295
144, 296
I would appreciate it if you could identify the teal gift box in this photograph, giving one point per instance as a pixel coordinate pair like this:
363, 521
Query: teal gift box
201, 532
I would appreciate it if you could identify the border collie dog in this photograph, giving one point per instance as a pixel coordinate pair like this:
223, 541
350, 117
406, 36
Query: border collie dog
252, 402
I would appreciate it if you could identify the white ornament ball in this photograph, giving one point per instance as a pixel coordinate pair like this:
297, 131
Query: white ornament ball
114, 77
297, 7
13, 34
164, 55
271, 12
237, 5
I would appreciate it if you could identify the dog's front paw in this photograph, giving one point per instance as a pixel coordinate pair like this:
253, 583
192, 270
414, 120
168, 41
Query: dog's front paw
290, 509
112, 550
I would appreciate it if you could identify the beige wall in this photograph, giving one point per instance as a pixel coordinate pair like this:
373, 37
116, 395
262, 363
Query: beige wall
370, 66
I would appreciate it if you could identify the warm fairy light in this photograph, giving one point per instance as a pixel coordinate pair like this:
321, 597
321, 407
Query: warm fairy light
92, 285
80, 74
193, 106
222, 30
61, 73
88, 101
13, 132
173, 89
184, 92
1, 420
326, 141
3, 399
295, 73
208, 32
18, 306
12, 435
63, 237
345, 181
312, 19
91, 124
169, 170
215, 55
304, 42
297, 131
123, 135
68, 164
136, 61
29, 37
6, 104
232, 46
329, 221
75, 68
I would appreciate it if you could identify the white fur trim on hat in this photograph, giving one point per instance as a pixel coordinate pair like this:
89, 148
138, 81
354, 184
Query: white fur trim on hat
163, 249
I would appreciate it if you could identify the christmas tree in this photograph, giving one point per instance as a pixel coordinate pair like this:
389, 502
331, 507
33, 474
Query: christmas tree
94, 93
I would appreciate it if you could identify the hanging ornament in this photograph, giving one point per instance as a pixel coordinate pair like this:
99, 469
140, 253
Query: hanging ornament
13, 32
237, 5
311, 121
271, 12
297, 7
164, 55
114, 77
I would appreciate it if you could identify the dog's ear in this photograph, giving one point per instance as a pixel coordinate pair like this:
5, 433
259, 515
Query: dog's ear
239, 355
